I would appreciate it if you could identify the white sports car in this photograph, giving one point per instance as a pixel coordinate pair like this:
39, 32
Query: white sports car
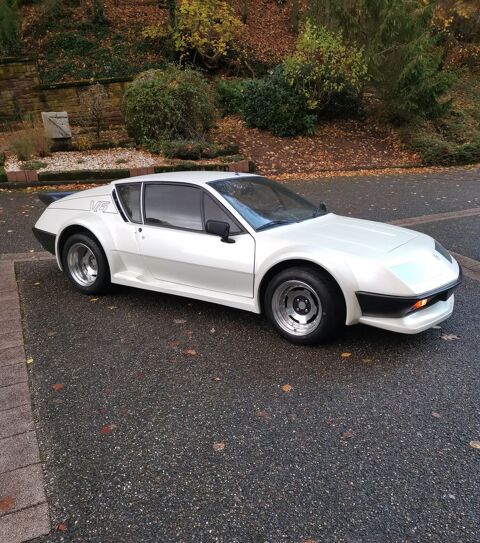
247, 242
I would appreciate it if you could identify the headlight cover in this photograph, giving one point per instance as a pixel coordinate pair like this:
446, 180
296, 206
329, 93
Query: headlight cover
441, 250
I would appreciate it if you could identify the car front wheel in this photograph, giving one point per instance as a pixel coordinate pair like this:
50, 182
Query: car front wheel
85, 264
305, 305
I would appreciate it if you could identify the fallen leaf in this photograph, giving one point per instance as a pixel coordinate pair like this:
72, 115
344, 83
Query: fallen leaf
346, 355
107, 430
366, 360
93, 299
264, 415
6, 503
475, 444
58, 386
51, 334
112, 307
309, 541
436, 415
347, 435
287, 388
190, 352
179, 321
62, 527
30, 360
36, 284
216, 379
219, 447
449, 337
212, 330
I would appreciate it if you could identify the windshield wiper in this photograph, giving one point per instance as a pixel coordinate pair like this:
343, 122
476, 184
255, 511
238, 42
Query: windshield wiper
274, 223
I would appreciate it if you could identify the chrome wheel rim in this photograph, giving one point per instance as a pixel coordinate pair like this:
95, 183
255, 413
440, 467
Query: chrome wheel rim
82, 264
296, 308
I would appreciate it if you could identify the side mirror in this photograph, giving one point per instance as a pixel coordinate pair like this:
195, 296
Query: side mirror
219, 228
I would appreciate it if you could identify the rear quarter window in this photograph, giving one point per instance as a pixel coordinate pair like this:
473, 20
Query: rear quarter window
129, 195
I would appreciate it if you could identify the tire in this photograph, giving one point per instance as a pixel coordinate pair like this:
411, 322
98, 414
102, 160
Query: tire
305, 305
85, 264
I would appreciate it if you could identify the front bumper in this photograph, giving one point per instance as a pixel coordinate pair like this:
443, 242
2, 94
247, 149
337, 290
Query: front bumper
396, 313
46, 239
415, 322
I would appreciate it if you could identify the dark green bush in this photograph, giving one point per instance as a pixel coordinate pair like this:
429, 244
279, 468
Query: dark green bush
173, 104
2, 158
437, 150
273, 104
184, 150
9, 28
229, 94
194, 150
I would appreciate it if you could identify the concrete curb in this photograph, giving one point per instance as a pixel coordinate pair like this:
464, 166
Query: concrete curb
23, 503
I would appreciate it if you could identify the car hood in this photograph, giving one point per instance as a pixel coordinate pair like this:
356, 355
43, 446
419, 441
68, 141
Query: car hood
354, 236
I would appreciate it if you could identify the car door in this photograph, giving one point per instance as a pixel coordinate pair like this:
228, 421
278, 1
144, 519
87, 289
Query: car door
127, 198
177, 249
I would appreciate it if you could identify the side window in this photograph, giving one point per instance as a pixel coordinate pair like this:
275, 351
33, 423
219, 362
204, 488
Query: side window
214, 212
173, 205
130, 198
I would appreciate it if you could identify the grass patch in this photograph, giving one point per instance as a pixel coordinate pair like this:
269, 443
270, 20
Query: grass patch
33, 165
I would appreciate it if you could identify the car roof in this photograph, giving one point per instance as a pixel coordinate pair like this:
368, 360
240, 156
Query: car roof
190, 177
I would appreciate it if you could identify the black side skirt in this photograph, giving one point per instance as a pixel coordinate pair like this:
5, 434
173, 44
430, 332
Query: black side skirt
46, 239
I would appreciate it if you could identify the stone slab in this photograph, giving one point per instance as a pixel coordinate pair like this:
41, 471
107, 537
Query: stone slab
25, 524
14, 395
16, 421
12, 375
18, 451
22, 487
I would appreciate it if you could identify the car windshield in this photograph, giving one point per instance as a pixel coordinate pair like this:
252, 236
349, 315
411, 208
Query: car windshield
264, 203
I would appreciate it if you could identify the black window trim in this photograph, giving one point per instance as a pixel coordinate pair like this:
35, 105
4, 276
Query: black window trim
202, 210
118, 201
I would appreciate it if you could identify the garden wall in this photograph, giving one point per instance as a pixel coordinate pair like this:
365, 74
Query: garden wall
21, 93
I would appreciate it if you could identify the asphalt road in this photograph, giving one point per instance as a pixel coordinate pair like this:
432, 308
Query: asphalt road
373, 447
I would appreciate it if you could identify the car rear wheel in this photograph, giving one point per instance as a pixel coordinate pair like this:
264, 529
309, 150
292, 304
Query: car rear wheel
304, 305
85, 264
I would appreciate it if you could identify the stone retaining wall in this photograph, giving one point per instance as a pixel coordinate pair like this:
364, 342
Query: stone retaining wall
21, 92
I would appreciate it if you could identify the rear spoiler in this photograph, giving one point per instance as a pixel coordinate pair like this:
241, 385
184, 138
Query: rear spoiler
48, 197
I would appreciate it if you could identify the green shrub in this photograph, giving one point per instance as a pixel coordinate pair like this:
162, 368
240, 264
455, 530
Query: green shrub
324, 70
185, 150
173, 104
98, 17
195, 150
405, 60
206, 31
229, 94
2, 158
273, 104
9, 28
33, 165
437, 150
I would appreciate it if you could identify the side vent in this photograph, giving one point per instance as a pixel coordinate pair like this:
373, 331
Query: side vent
118, 206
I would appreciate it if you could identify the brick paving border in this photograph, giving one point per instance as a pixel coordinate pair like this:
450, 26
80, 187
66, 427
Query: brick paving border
23, 503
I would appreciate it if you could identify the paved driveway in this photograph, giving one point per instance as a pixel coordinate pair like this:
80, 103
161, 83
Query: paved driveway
371, 447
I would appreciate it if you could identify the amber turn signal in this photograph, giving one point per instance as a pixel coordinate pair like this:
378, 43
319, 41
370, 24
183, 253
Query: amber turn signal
420, 303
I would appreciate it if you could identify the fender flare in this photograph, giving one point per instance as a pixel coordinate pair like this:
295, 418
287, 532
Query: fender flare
95, 226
